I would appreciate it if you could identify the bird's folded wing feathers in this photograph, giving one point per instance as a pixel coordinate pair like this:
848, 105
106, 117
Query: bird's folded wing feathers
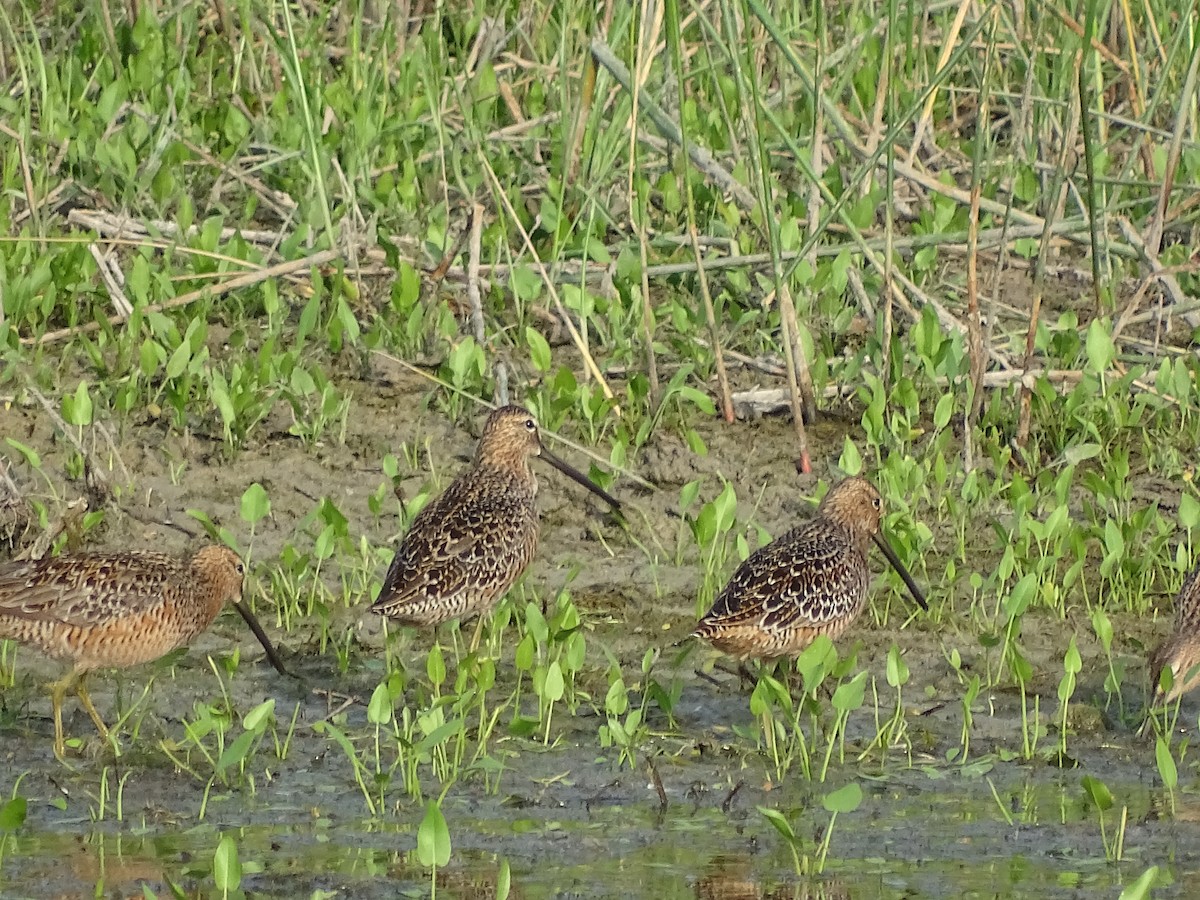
447, 544
84, 590
786, 584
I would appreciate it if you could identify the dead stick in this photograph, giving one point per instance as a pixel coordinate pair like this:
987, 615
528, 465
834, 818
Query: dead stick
474, 247
787, 314
1164, 275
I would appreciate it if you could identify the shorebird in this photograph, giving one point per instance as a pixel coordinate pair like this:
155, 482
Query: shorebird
1180, 652
811, 581
470, 545
115, 610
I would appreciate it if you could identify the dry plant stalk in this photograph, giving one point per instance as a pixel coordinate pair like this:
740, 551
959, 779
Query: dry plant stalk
580, 345
974, 320
711, 319
651, 25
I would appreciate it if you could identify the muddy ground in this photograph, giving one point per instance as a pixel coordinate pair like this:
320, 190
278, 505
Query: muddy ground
568, 819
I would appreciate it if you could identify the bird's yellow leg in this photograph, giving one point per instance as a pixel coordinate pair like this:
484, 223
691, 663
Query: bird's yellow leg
58, 690
86, 700
478, 634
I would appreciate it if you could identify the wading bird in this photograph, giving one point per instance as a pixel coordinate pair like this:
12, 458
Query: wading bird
470, 545
1180, 652
115, 610
811, 581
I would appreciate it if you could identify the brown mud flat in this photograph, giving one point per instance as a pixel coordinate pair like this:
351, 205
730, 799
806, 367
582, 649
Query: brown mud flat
569, 819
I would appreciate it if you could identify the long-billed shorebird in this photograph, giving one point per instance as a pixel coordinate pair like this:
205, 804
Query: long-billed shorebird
470, 545
811, 581
115, 610
1180, 651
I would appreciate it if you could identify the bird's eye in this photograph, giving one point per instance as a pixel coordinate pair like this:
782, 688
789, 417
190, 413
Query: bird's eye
530, 425
877, 503
241, 569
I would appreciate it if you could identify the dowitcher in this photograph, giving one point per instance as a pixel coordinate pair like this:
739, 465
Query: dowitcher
115, 610
811, 581
470, 545
1180, 652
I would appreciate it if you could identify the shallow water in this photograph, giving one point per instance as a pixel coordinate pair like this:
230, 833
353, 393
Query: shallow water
569, 821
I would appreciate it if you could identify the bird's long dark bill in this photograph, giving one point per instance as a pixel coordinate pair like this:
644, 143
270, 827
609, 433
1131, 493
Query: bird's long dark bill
581, 479
273, 656
886, 549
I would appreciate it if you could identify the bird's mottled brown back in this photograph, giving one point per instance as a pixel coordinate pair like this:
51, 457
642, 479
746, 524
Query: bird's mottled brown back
1180, 651
1187, 604
813, 580
469, 546
104, 610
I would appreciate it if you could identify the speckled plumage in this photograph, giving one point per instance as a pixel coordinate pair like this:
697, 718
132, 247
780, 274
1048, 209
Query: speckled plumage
113, 610
811, 581
470, 545
1181, 650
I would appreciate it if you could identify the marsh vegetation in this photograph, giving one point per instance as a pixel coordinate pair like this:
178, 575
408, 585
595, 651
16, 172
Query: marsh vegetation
262, 264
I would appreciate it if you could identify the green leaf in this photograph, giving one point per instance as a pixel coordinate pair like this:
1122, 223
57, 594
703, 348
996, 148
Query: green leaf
851, 461
1080, 452
781, 824
897, 669
552, 690
943, 411
815, 661
1101, 350
1189, 511
849, 695
845, 799
77, 407
433, 838
503, 881
1103, 628
259, 716
1022, 593
1072, 662
379, 710
726, 508
435, 665
235, 753
1140, 889
227, 869
539, 349
178, 362
1166, 764
12, 814
616, 701
526, 650
1097, 792
256, 505
31, 456
218, 392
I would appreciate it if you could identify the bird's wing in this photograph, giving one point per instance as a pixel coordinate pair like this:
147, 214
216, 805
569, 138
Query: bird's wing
85, 590
1187, 604
463, 538
808, 577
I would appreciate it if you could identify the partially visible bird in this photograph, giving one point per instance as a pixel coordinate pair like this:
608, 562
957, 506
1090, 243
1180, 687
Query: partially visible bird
1180, 652
811, 581
115, 610
470, 545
